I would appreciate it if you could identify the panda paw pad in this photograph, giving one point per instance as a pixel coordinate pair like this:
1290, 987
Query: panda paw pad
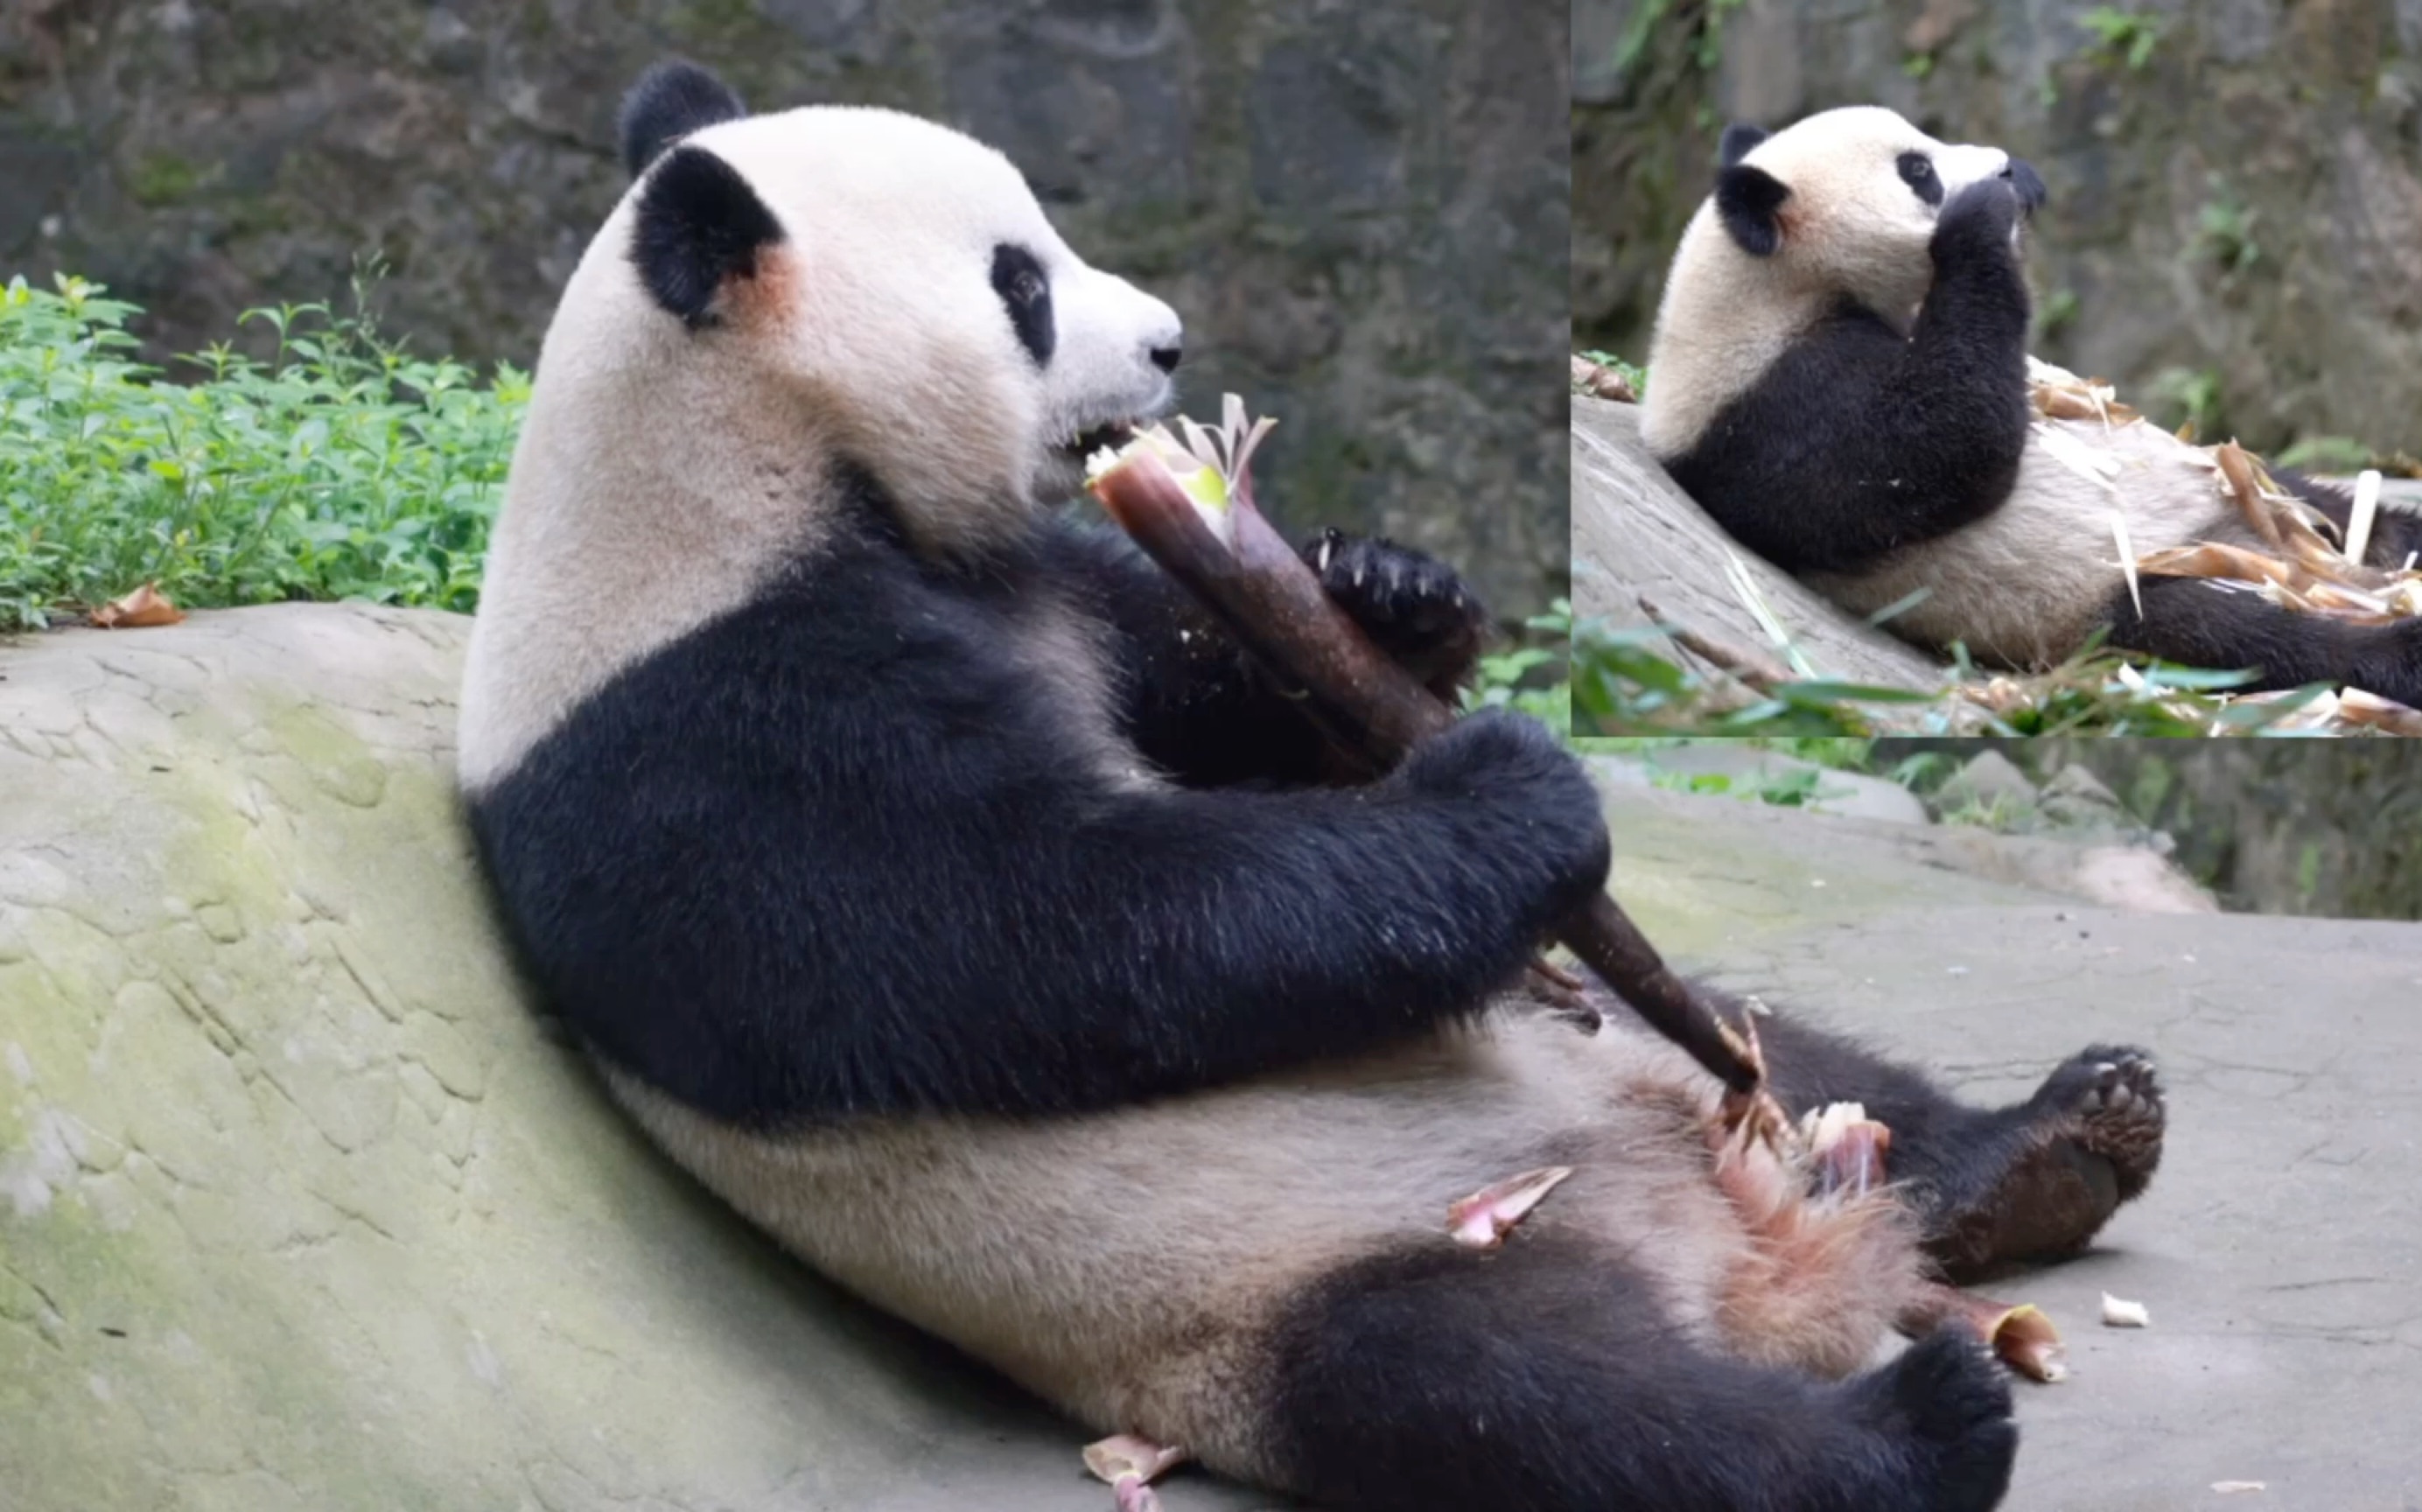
2109, 1099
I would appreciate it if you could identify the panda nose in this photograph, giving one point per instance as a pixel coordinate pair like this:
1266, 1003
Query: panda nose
1165, 358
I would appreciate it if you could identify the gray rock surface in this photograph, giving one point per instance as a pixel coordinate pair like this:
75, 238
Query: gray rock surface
1636, 534
1741, 770
1361, 210
301, 1209
2243, 210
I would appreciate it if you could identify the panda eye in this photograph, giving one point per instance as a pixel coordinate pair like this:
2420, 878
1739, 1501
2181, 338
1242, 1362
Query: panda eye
1918, 171
1025, 294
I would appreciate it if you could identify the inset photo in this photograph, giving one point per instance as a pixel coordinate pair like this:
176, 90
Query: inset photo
1965, 369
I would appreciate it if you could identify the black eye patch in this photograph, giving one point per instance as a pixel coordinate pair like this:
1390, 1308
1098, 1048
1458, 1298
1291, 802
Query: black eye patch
1017, 277
1918, 171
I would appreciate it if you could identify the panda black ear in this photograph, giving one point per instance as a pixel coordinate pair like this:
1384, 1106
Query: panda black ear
1738, 140
699, 225
670, 101
1748, 200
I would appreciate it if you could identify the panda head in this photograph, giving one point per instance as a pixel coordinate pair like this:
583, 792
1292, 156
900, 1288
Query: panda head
883, 282
1846, 201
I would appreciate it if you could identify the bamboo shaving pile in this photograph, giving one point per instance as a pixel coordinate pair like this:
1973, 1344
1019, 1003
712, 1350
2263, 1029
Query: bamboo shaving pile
2304, 563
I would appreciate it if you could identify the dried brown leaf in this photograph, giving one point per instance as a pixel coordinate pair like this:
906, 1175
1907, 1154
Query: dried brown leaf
1605, 383
142, 610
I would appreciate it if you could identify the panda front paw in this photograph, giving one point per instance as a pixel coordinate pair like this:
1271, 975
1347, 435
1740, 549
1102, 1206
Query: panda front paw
1944, 1410
1416, 607
1982, 218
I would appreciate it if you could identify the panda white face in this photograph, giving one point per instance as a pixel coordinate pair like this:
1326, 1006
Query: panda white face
1848, 200
917, 287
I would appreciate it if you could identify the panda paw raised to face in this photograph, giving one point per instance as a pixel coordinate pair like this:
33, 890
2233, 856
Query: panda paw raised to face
1981, 218
1416, 607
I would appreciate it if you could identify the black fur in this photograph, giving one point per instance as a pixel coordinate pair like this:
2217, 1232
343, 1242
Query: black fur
1991, 1187
839, 853
1858, 442
1416, 607
1918, 171
698, 226
2029, 183
2395, 533
670, 101
1737, 142
1749, 200
1200, 710
2196, 622
1548, 1376
1024, 291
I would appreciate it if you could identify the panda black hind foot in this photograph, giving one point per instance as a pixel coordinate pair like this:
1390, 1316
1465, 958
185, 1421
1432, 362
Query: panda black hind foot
2088, 1141
1416, 607
1941, 1412
2108, 1099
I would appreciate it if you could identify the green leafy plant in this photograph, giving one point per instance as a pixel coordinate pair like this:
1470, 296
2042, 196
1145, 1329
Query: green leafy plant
2327, 454
2225, 231
2123, 36
1703, 25
1622, 684
2190, 396
2057, 312
1633, 374
339, 467
1530, 676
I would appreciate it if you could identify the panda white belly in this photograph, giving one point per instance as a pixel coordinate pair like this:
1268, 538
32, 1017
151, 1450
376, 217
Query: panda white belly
1131, 1267
2025, 585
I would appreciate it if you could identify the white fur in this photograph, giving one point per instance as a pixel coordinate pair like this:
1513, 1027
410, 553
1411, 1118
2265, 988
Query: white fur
1126, 1267
2025, 586
662, 473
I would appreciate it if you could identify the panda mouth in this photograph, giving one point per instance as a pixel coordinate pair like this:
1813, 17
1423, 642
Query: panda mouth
1085, 443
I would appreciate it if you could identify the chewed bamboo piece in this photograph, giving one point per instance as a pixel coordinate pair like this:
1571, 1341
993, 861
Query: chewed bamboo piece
1190, 505
2019, 1334
1483, 1220
1846, 1150
1128, 1463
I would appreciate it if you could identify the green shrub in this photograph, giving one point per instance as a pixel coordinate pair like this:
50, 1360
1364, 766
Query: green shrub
338, 468
1531, 676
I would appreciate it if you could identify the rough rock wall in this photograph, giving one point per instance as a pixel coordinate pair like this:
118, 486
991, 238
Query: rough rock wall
1359, 208
2244, 207
303, 1209
2326, 827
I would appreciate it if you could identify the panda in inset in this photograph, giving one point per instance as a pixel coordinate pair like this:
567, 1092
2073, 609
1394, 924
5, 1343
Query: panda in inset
936, 885
1839, 377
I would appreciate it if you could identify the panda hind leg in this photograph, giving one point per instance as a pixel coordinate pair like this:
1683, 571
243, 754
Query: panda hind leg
1545, 1376
1993, 1188
2194, 623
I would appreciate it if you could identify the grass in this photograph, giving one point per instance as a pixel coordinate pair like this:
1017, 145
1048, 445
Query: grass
1530, 676
1624, 683
339, 467
2123, 36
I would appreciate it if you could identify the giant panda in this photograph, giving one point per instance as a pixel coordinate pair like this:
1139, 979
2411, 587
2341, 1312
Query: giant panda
1839, 376
928, 878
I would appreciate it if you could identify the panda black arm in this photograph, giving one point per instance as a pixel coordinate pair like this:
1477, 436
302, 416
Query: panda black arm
839, 854
1200, 709
1858, 442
